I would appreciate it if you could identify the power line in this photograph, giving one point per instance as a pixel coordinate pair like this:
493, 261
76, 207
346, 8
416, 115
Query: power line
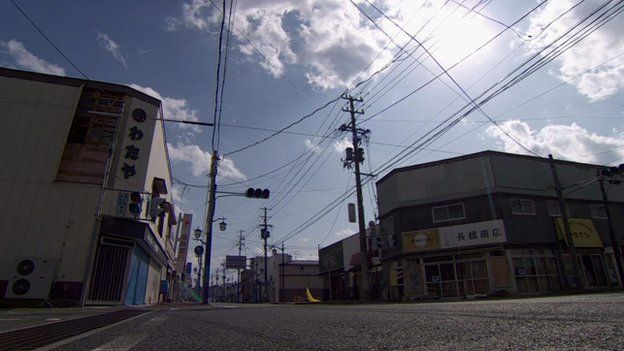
258, 51
49, 40
446, 72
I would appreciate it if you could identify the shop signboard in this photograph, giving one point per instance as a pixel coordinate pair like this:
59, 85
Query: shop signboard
235, 262
471, 234
584, 232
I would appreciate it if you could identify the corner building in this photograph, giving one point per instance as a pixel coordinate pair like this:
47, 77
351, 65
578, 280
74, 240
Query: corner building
87, 214
489, 223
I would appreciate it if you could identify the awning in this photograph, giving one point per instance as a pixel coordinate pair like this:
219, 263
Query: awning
138, 231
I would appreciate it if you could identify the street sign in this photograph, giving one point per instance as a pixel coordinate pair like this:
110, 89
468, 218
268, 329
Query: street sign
235, 262
199, 250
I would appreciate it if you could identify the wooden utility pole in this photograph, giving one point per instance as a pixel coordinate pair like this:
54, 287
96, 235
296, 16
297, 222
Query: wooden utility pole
264, 234
241, 238
209, 219
566, 227
615, 243
356, 134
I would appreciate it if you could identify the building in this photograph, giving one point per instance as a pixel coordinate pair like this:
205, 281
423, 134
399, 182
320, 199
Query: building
182, 244
340, 267
88, 215
287, 279
489, 223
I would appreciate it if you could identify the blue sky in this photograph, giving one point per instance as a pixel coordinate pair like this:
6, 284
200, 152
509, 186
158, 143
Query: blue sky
288, 58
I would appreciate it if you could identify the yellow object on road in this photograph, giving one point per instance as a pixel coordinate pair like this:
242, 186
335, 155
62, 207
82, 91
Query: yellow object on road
311, 298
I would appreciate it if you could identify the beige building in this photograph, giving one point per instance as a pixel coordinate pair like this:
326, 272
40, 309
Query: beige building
88, 215
286, 279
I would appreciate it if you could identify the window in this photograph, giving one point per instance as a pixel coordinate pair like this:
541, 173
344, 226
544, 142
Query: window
448, 213
522, 206
553, 208
90, 137
535, 272
598, 211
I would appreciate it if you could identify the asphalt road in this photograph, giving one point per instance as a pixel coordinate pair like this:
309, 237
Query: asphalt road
582, 322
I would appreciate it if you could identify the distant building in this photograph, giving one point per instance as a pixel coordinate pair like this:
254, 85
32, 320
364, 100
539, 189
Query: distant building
73, 149
340, 267
489, 224
286, 279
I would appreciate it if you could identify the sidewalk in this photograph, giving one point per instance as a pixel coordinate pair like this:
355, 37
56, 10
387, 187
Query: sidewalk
19, 318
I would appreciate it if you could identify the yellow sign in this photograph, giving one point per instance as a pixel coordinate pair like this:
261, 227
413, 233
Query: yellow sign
394, 277
584, 233
421, 240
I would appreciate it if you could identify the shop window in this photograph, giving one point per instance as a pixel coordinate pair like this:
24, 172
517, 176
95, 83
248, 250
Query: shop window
455, 278
522, 206
448, 212
553, 208
536, 273
598, 211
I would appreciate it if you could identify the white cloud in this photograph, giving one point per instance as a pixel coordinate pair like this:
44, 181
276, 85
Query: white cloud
200, 162
327, 38
27, 60
341, 145
603, 44
177, 192
305, 240
570, 142
311, 146
173, 108
111, 46
344, 233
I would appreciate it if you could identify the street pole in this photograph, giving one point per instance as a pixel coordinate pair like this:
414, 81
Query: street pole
265, 236
282, 299
209, 219
238, 275
614, 241
199, 270
566, 226
357, 155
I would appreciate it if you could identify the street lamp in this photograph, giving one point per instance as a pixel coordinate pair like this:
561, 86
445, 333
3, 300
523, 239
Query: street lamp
197, 233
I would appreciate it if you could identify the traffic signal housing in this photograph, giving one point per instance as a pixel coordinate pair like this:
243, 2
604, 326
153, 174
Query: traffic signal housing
257, 193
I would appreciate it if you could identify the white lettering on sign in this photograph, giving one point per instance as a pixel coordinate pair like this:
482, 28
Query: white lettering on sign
480, 233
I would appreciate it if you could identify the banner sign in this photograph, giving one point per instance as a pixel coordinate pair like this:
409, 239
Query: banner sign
471, 234
235, 262
584, 233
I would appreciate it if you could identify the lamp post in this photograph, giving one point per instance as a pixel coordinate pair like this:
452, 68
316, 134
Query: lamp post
197, 233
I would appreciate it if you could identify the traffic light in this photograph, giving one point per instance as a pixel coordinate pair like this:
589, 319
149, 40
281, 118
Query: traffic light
135, 203
257, 193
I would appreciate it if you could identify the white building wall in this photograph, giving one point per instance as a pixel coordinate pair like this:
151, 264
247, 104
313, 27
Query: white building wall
41, 218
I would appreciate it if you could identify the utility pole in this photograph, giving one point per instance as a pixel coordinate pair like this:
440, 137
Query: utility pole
356, 134
615, 244
209, 219
566, 227
241, 238
264, 234
283, 277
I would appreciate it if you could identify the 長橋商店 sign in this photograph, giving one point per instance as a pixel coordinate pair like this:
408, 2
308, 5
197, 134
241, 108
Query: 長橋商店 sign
480, 233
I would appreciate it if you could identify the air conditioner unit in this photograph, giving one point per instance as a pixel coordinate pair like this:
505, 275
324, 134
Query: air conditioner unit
31, 278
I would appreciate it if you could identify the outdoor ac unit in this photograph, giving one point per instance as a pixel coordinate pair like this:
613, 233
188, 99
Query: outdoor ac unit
30, 278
